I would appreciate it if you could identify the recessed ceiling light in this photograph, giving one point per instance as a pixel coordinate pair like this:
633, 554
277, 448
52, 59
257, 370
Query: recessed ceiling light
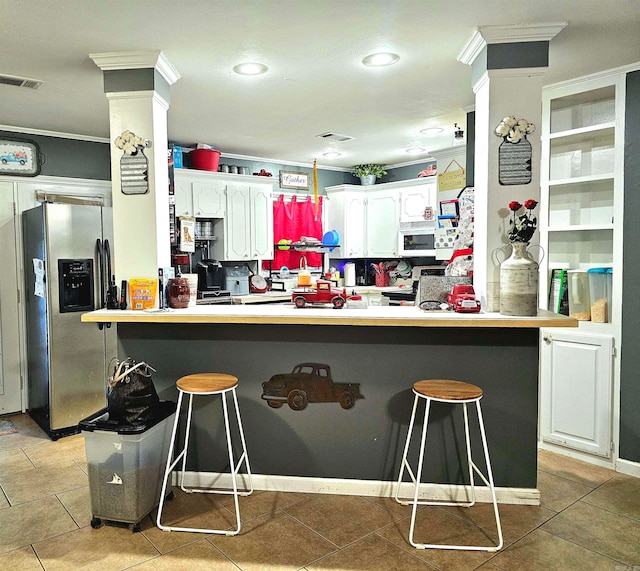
416, 150
251, 68
432, 130
381, 59
332, 154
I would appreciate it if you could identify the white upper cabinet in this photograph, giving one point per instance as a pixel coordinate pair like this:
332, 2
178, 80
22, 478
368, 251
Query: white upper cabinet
183, 195
346, 215
414, 201
248, 226
197, 194
209, 199
368, 218
241, 206
382, 223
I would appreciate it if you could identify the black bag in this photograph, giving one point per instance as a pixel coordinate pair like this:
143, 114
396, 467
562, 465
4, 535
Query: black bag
132, 397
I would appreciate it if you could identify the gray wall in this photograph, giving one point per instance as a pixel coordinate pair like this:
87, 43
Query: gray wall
365, 442
630, 356
69, 157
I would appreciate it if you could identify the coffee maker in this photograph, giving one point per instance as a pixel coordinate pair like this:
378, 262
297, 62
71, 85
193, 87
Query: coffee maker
211, 277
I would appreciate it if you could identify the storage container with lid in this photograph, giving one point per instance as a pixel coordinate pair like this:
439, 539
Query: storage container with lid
579, 300
600, 292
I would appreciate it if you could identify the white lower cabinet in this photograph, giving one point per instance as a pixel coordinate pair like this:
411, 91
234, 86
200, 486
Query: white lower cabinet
576, 378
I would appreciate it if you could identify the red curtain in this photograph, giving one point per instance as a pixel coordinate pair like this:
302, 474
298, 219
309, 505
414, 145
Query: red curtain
291, 221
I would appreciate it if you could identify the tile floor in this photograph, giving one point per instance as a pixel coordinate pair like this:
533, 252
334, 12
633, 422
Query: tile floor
589, 519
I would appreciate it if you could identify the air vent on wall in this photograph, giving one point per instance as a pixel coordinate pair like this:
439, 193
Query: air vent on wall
20, 81
334, 137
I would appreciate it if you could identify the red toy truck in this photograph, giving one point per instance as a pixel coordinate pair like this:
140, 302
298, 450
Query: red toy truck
463, 299
319, 294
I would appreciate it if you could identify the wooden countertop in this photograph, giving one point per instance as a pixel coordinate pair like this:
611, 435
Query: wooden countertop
287, 314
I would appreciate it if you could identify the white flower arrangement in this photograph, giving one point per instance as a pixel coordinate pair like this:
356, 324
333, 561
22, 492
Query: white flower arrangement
130, 143
513, 129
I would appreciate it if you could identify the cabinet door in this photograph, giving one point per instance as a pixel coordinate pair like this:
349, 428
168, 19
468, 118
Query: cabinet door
354, 226
382, 224
237, 224
413, 202
184, 197
209, 200
261, 223
576, 376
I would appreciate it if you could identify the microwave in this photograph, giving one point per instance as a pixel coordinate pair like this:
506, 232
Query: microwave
416, 240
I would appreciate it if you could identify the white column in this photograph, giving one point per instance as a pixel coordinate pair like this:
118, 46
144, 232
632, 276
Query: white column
508, 63
137, 87
501, 93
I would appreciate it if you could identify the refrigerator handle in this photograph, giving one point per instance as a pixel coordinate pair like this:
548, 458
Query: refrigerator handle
100, 276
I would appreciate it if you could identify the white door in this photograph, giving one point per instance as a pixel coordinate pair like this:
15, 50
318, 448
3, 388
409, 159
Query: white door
382, 224
209, 199
261, 223
414, 201
237, 223
576, 381
10, 384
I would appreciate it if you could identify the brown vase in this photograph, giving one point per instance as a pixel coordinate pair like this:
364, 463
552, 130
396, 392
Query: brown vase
178, 293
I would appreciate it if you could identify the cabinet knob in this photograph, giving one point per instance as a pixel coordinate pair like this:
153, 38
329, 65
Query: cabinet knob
547, 339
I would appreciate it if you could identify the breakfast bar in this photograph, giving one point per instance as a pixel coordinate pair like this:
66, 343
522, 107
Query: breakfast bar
351, 447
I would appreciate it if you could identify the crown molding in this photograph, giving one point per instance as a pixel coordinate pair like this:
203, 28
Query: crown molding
137, 60
507, 34
56, 134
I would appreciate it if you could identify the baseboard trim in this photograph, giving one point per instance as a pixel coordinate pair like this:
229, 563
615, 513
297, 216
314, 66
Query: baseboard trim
375, 488
628, 467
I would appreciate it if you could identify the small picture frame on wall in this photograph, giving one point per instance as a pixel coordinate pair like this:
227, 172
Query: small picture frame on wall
19, 158
294, 179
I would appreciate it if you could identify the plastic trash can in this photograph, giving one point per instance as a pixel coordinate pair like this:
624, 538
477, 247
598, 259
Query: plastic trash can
126, 465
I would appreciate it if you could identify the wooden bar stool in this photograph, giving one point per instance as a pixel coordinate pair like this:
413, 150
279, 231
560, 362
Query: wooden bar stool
198, 385
454, 392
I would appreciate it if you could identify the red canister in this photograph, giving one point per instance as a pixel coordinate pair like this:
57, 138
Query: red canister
178, 293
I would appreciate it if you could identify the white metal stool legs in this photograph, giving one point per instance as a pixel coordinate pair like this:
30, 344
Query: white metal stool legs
416, 479
234, 466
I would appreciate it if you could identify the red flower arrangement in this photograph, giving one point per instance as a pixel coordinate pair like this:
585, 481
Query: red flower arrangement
523, 226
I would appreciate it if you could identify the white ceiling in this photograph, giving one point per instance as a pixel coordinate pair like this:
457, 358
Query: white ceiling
313, 48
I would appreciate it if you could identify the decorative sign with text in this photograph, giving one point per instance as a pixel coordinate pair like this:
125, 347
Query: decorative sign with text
294, 179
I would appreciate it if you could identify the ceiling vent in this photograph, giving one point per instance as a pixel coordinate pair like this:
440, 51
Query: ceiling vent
20, 81
334, 137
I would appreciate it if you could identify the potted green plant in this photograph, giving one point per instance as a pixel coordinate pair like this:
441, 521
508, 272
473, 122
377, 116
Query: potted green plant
368, 173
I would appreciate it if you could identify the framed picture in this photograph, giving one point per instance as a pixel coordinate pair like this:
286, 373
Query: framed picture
294, 179
19, 158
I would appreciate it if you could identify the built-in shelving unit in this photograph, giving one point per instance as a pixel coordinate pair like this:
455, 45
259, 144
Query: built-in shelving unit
581, 175
581, 228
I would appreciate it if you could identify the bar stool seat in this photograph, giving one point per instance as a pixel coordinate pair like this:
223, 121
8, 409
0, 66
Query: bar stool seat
203, 384
453, 392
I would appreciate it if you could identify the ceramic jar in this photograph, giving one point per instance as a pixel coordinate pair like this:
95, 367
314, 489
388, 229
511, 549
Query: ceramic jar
178, 293
519, 283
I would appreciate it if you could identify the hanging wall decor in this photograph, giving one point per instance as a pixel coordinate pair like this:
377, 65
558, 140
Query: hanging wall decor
309, 383
134, 166
19, 158
514, 154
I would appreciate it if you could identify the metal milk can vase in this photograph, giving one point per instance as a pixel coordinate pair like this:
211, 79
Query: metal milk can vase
519, 283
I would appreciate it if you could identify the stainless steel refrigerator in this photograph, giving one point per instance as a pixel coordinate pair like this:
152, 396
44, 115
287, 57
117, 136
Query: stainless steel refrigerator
68, 271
